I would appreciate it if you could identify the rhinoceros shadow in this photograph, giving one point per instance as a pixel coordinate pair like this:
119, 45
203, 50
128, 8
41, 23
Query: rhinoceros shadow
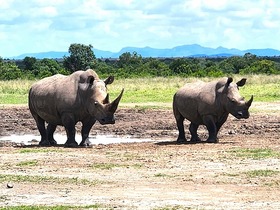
164, 143
54, 146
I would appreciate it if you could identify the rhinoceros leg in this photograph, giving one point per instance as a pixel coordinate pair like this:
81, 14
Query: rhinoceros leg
85, 132
42, 129
221, 122
180, 125
212, 129
69, 124
193, 130
50, 130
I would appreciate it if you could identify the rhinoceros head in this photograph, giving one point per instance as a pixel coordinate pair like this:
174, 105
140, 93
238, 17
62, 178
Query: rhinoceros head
235, 103
97, 100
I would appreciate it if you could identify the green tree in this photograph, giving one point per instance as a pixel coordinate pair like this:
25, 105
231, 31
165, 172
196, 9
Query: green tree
261, 67
9, 70
48, 67
103, 69
29, 63
237, 62
155, 67
81, 57
185, 66
226, 67
130, 60
179, 66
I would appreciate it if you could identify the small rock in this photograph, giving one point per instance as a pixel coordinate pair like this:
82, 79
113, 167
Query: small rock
231, 132
10, 185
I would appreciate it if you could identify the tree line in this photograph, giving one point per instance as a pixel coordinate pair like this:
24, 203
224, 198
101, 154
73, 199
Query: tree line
131, 65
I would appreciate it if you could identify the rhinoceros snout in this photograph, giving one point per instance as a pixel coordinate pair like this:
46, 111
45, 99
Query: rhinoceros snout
107, 120
242, 114
239, 114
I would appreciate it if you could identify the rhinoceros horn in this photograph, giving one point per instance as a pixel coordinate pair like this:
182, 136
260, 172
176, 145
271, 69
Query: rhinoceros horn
248, 103
112, 107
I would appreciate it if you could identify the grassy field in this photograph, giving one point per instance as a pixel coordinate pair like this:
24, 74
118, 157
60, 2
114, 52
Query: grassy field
152, 91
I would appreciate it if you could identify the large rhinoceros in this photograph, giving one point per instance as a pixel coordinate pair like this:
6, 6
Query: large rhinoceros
66, 100
209, 104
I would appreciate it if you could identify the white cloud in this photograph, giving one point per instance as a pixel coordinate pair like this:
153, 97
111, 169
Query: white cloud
39, 25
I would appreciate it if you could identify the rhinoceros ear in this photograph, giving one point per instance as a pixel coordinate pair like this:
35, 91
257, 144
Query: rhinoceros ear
109, 80
86, 83
90, 80
229, 81
241, 82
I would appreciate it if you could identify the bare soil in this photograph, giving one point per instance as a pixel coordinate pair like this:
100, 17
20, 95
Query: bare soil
150, 175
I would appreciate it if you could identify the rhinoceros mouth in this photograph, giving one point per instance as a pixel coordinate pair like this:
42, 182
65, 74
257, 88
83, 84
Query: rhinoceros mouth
241, 115
107, 120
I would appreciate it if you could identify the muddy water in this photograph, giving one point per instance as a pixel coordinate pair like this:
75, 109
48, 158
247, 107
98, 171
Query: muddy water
61, 139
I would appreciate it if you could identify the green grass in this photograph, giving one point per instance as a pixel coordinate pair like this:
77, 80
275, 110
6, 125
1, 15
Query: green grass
109, 166
261, 173
174, 207
27, 163
163, 175
40, 150
265, 88
266, 177
46, 180
105, 166
14, 91
255, 153
60, 207
156, 91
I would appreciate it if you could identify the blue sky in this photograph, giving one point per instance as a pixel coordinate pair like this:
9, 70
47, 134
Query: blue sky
52, 25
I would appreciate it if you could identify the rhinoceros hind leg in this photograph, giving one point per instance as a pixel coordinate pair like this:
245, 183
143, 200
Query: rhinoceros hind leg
42, 129
50, 130
180, 125
193, 130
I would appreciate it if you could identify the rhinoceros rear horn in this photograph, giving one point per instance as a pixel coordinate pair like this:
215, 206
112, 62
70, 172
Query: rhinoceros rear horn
114, 105
248, 103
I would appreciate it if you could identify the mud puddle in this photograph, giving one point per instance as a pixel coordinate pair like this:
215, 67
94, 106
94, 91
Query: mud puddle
29, 139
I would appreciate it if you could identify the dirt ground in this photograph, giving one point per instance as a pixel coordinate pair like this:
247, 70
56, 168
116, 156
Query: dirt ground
159, 174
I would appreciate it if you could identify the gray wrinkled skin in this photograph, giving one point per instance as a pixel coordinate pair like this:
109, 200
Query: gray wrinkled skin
209, 104
66, 100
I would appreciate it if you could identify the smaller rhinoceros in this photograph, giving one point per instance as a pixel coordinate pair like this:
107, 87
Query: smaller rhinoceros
66, 100
209, 104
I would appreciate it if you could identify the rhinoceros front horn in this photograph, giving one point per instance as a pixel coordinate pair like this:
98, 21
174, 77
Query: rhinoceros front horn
114, 104
248, 103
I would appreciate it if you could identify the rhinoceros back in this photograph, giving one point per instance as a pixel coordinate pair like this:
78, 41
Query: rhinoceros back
197, 99
48, 96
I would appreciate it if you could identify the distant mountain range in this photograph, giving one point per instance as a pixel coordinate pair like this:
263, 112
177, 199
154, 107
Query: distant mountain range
193, 50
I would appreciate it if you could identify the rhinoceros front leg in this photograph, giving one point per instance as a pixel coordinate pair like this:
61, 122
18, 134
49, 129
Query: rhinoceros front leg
221, 122
69, 124
85, 132
211, 127
193, 130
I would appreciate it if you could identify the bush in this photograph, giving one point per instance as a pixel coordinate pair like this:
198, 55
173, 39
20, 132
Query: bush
261, 67
9, 71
